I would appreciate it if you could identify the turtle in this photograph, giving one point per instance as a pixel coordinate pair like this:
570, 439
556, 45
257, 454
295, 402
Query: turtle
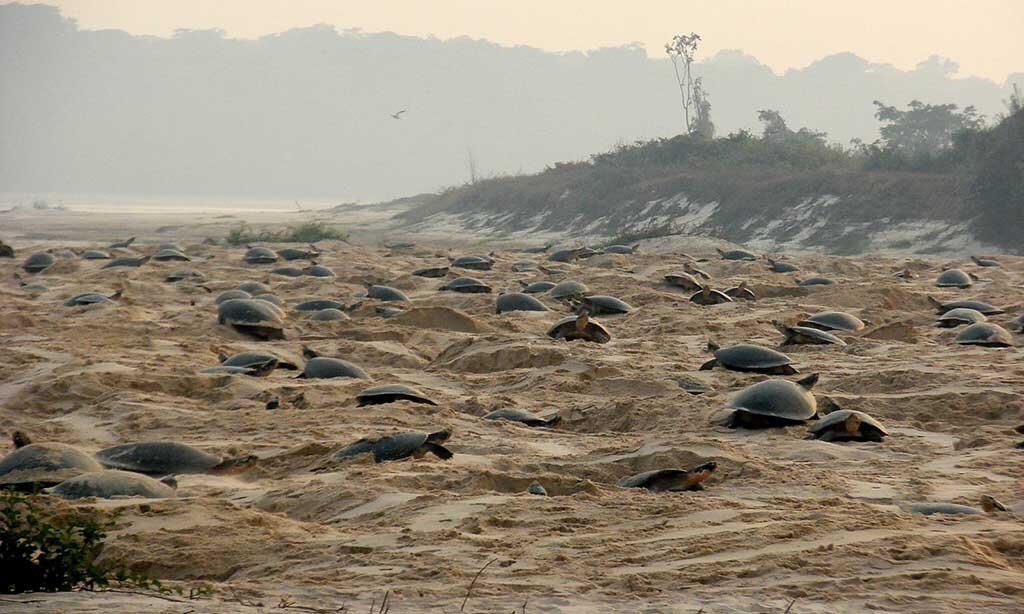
979, 306
110, 483
469, 285
288, 271
318, 270
6, 251
167, 458
709, 296
741, 292
1019, 323
323, 367
91, 298
523, 417
985, 334
776, 266
953, 278
42, 464
568, 289
387, 312
538, 249
360, 446
951, 509
536, 489
431, 271
165, 255
538, 287
806, 335
254, 287
775, 402
621, 249
671, 480
517, 301
385, 293
294, 253
736, 254
985, 262
400, 245
65, 253
38, 262
579, 327
815, 281
253, 359
270, 298
230, 295
959, 317
126, 261
259, 255
256, 371
750, 358
29, 286
94, 254
121, 244
905, 274
683, 280
602, 304
848, 425
833, 320
565, 255
245, 365
259, 319
316, 304
390, 393
695, 272
404, 445
476, 263
329, 315
524, 266
991, 505
183, 274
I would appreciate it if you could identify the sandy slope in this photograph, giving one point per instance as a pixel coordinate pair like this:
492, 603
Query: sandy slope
783, 519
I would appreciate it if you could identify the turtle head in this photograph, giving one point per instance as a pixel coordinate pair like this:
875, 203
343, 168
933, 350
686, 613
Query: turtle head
852, 424
975, 259
713, 347
990, 504
170, 480
742, 286
705, 290
439, 436
782, 328
115, 296
237, 463
20, 439
309, 353
583, 320
809, 381
934, 302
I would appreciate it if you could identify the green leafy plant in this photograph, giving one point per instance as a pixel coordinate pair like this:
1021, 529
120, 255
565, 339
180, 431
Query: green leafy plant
308, 232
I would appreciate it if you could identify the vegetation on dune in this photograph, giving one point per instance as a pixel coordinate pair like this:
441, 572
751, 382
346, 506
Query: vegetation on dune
309, 232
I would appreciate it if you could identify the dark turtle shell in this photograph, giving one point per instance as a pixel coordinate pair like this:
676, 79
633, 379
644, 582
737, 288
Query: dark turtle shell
709, 296
524, 266
682, 280
832, 427
523, 416
95, 254
985, 262
953, 278
44, 464
980, 306
390, 393
806, 335
329, 315
254, 287
38, 262
158, 458
323, 367
386, 293
752, 358
568, 289
601, 304
316, 304
165, 255
564, 255
292, 253
774, 402
259, 255
255, 359
476, 263
183, 274
741, 292
288, 271
431, 271
319, 270
816, 281
663, 480
834, 320
126, 261
736, 254
568, 328
229, 295
91, 298
121, 244
256, 318
112, 483
518, 301
985, 334
952, 509
362, 446
538, 287
782, 267
404, 445
467, 285
959, 317
621, 249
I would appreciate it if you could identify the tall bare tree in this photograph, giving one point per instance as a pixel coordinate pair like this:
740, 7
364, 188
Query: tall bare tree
682, 49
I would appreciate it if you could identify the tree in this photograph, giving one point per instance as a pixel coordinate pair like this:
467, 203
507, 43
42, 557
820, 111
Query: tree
702, 125
775, 128
682, 49
924, 130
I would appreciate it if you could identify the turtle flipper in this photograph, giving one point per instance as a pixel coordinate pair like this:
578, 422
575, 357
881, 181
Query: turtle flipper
709, 365
438, 450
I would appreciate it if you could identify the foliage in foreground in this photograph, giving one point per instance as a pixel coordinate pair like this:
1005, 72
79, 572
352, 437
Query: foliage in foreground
309, 232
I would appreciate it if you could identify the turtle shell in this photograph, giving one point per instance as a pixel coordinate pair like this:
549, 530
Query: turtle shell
329, 315
355, 448
740, 292
89, 298
386, 293
564, 255
157, 458
682, 280
270, 298
170, 254
797, 335
288, 271
621, 249
38, 262
95, 254
259, 255
316, 304
476, 263
979, 306
834, 320
736, 254
524, 266
776, 398
292, 253
323, 367
255, 359
661, 480
522, 416
836, 420
601, 304
953, 278
566, 329
953, 509
44, 464
985, 262
538, 287
518, 301
816, 281
391, 393
960, 316
403, 445
122, 244
711, 297
230, 295
567, 289
254, 287
754, 358
431, 271
467, 285
985, 334
319, 270
126, 261
782, 267
257, 318
112, 483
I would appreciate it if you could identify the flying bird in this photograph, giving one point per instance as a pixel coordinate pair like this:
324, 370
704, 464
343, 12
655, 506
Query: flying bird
398, 115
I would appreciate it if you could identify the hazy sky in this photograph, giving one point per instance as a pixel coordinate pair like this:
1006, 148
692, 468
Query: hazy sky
984, 36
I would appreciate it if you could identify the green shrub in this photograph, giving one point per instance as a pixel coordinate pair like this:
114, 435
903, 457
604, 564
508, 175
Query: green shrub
308, 232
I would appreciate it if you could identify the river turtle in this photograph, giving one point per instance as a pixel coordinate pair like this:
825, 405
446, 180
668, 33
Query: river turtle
270, 298
431, 271
38, 262
165, 255
621, 249
953, 278
579, 327
390, 393
318, 270
568, 289
517, 301
538, 287
255, 359
741, 292
980, 306
322, 367
806, 335
329, 315
469, 285
126, 261
476, 263
94, 254
259, 255
815, 281
316, 304
985, 334
683, 280
749, 358
776, 266
288, 271
121, 244
565, 255
42, 464
254, 368
259, 319
952, 509
523, 417
709, 296
230, 295
404, 445
183, 274
834, 320
535, 488
848, 425
385, 293
695, 272
167, 458
960, 317
665, 480
539, 249
524, 266
6, 251
91, 298
775, 402
110, 483
985, 262
387, 312
736, 254
601, 304
294, 253
254, 287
